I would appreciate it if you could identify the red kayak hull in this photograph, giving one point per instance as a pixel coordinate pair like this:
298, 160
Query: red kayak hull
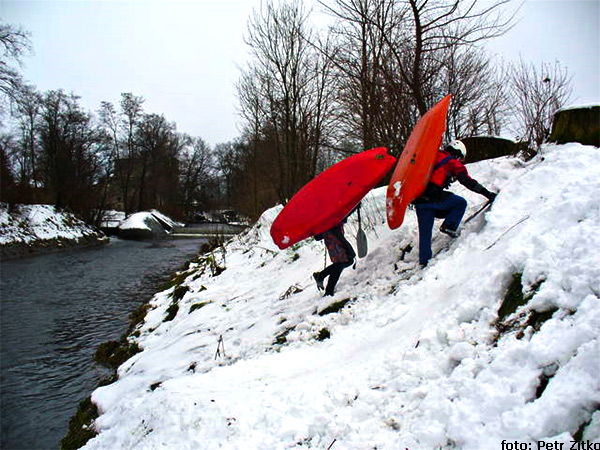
327, 199
414, 166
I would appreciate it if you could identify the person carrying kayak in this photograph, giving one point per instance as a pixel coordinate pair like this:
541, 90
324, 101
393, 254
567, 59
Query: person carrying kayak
436, 202
341, 254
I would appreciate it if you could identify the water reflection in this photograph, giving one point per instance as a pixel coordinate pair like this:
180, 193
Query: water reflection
54, 312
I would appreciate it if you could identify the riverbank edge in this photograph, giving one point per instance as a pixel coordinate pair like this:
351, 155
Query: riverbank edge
18, 250
112, 354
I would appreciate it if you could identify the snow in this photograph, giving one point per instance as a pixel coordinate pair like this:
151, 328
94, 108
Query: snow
579, 106
140, 220
165, 219
493, 136
136, 221
32, 223
415, 359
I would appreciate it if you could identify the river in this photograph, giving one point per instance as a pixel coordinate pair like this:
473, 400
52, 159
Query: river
55, 310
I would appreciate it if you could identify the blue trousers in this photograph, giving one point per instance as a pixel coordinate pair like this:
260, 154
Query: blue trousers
451, 209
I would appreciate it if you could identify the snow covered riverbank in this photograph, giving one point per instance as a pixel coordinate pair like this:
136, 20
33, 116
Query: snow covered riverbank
30, 229
242, 352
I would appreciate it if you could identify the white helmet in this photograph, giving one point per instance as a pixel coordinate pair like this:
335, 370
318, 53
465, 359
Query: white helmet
457, 147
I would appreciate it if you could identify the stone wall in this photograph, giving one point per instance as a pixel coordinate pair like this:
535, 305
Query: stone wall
488, 147
577, 125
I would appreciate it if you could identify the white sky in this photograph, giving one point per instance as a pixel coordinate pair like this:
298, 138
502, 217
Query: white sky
184, 57
567, 31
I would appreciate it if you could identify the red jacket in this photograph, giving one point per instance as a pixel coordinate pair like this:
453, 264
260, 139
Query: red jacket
448, 172
449, 169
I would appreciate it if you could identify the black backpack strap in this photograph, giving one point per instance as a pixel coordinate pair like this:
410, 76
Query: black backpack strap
441, 163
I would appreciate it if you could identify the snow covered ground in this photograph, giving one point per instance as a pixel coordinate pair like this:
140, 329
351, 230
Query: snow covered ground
30, 224
416, 359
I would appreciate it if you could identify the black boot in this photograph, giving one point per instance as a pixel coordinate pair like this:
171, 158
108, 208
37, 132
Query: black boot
319, 280
449, 231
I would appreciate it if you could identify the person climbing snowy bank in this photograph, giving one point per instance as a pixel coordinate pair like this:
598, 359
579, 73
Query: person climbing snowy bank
436, 202
341, 254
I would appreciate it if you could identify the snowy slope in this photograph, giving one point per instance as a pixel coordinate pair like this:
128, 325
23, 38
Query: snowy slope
28, 224
416, 359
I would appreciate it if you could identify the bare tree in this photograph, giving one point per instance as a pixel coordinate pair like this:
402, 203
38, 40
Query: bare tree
371, 98
395, 58
69, 152
479, 95
319, 119
28, 106
228, 165
7, 179
251, 95
492, 112
422, 28
196, 167
358, 59
280, 54
154, 165
14, 42
157, 166
536, 95
120, 127
285, 92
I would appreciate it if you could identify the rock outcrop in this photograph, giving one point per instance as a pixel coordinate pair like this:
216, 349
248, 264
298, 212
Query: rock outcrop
580, 124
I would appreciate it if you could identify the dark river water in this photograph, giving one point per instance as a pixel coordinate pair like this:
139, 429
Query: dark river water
54, 312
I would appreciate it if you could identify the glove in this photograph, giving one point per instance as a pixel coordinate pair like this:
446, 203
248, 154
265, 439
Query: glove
491, 196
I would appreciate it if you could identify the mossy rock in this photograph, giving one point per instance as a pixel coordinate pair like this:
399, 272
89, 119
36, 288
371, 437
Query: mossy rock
200, 305
516, 295
137, 317
180, 292
324, 333
177, 279
538, 318
80, 426
208, 261
480, 148
513, 298
577, 125
112, 354
294, 289
335, 307
281, 338
171, 312
546, 376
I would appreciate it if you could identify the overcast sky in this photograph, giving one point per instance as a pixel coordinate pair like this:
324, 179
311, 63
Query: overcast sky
184, 57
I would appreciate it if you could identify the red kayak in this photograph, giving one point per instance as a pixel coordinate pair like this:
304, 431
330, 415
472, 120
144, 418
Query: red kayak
327, 199
414, 166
